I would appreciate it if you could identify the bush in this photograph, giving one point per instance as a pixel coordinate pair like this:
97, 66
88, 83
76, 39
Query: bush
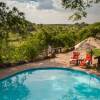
96, 52
11, 55
30, 49
26, 52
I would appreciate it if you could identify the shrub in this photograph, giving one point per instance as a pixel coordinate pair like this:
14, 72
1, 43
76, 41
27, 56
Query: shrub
30, 49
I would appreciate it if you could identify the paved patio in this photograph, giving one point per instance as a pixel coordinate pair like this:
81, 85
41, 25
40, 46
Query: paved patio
62, 60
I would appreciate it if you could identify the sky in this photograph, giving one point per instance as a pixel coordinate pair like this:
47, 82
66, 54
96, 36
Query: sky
51, 11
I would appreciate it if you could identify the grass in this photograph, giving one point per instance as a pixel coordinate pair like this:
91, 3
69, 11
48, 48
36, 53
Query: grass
96, 52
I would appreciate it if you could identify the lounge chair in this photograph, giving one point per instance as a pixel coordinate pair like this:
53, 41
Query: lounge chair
74, 58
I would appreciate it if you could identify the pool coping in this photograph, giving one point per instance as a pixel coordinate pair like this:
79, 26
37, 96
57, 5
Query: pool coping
17, 69
44, 68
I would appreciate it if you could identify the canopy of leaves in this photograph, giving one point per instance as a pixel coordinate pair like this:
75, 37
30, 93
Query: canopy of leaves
65, 36
13, 26
12, 20
79, 7
96, 52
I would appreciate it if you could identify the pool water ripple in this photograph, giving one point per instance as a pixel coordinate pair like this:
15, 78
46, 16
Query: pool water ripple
50, 84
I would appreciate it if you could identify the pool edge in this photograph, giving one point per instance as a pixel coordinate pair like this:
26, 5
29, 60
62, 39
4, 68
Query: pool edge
44, 68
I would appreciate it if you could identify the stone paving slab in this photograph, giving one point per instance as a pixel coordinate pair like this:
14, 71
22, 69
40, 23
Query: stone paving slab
59, 61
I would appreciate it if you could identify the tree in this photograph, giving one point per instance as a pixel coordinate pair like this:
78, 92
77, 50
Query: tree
79, 7
95, 29
12, 21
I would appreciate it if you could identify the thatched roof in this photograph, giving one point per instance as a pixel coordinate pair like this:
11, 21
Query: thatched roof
89, 42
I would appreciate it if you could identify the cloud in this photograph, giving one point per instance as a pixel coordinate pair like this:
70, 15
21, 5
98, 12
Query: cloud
41, 4
50, 11
45, 4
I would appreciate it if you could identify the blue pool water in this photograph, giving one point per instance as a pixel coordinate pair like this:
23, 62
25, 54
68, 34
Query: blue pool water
50, 84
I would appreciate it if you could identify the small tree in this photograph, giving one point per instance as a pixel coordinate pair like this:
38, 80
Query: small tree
12, 21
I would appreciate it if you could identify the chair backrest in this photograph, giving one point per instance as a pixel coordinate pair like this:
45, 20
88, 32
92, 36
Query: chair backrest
76, 55
88, 57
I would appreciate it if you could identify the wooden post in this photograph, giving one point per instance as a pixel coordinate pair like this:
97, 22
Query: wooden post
98, 62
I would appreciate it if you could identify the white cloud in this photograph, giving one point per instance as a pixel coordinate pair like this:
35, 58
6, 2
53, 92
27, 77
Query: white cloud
49, 11
45, 4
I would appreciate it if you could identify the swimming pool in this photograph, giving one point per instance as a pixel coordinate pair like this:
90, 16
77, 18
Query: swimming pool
50, 84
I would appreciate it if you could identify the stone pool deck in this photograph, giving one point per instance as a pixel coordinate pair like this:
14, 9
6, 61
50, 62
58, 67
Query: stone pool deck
60, 61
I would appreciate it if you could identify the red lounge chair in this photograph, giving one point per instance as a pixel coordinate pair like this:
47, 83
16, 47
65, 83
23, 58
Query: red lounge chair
86, 61
74, 58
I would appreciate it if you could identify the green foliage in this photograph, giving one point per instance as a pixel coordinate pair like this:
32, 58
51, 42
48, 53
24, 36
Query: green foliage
90, 30
11, 55
96, 52
79, 7
58, 35
21, 40
94, 29
12, 20
84, 33
31, 49
26, 52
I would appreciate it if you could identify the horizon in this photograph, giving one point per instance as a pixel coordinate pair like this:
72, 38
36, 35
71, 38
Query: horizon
51, 11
